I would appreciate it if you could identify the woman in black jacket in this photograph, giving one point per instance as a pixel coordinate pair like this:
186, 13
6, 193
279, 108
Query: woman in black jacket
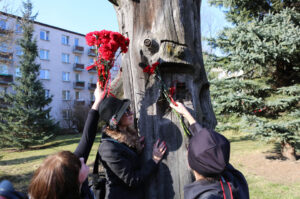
120, 152
64, 174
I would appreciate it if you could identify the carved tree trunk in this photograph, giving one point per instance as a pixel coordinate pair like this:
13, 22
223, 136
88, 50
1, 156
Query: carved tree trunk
168, 31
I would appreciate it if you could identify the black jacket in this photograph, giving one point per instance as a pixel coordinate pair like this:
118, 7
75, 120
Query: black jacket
84, 147
124, 171
204, 189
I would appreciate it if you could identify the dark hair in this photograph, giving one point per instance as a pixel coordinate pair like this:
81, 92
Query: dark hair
57, 177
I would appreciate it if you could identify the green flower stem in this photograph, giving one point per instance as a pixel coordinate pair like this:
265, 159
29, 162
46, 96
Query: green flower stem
165, 92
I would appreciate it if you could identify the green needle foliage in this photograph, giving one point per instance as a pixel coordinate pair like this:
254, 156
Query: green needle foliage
26, 120
264, 46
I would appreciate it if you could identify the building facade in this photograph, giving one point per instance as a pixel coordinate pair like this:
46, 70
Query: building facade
63, 56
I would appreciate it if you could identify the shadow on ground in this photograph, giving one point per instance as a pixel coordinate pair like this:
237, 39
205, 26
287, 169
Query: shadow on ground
20, 160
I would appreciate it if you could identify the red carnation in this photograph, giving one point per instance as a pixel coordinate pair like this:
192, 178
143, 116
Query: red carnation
147, 69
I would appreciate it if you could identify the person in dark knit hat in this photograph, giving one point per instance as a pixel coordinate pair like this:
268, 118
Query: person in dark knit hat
208, 157
120, 151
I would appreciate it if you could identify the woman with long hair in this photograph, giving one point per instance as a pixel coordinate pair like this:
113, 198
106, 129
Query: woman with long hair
120, 152
64, 174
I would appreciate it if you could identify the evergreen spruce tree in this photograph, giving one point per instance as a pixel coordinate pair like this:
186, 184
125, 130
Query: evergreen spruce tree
264, 45
26, 121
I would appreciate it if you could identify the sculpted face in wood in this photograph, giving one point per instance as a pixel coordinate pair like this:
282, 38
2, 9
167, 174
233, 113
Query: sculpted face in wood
167, 31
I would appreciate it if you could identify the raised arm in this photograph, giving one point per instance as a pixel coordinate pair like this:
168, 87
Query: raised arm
90, 128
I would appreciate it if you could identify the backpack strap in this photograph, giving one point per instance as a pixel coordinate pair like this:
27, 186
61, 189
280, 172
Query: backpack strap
226, 188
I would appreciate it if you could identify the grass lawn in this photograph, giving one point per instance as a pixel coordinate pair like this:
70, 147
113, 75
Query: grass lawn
18, 166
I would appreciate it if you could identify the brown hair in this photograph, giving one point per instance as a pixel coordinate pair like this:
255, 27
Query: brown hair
57, 177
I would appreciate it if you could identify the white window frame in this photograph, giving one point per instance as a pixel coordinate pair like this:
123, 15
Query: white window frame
44, 35
66, 76
65, 40
19, 28
91, 61
76, 41
92, 96
3, 24
44, 54
77, 95
3, 47
66, 95
47, 93
77, 59
44, 74
65, 58
77, 77
18, 72
3, 69
66, 114
19, 51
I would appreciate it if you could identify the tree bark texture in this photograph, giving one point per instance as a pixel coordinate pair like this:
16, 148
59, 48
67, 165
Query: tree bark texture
167, 31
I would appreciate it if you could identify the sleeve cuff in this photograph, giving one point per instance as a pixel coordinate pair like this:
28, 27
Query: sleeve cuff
196, 127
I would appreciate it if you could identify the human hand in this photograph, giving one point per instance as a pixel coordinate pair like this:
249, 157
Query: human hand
99, 93
158, 151
180, 108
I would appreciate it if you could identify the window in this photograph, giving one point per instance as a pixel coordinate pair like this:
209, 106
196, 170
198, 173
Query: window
44, 74
77, 77
3, 24
47, 93
92, 97
3, 69
91, 61
18, 72
4, 47
44, 35
65, 40
77, 95
77, 59
44, 54
76, 42
19, 51
66, 76
66, 95
91, 79
66, 113
19, 28
65, 58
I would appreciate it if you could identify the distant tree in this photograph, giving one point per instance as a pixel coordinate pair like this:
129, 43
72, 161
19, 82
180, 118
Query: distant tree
26, 121
264, 44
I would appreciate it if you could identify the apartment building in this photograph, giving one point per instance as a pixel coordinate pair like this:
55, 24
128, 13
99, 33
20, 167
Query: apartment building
63, 56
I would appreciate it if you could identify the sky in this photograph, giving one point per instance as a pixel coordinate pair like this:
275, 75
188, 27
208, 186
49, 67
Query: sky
84, 16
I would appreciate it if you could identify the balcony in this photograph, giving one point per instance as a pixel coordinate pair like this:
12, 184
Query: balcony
78, 67
79, 102
78, 49
5, 31
6, 56
92, 53
92, 86
6, 79
79, 85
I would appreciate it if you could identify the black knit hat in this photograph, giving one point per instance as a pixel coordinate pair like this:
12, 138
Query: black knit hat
113, 108
208, 153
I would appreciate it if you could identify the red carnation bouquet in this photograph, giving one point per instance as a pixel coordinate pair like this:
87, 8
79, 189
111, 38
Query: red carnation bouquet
107, 44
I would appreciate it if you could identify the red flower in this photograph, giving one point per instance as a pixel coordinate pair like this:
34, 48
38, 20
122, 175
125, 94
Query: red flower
259, 110
172, 91
254, 111
147, 69
91, 66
